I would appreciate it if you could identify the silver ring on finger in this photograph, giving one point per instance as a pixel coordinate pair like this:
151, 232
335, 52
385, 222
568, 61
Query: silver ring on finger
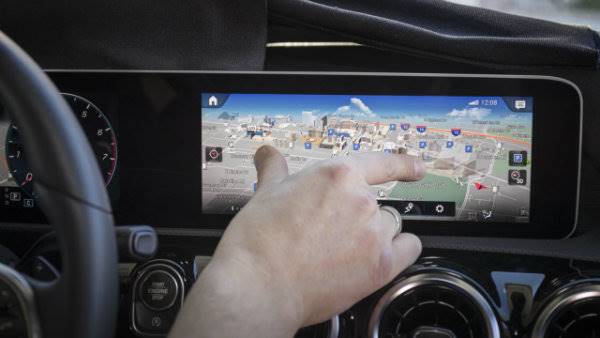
396, 216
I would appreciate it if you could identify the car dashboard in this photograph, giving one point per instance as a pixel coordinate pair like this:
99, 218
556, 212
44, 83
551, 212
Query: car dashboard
502, 256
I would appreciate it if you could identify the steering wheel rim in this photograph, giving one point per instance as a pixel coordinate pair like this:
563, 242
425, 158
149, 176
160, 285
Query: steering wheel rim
83, 302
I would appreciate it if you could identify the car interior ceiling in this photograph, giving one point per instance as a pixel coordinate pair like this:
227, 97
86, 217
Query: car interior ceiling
92, 46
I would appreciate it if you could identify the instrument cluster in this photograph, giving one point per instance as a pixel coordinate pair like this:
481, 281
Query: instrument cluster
17, 179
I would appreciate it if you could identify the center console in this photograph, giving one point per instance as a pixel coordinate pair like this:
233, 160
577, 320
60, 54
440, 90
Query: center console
447, 293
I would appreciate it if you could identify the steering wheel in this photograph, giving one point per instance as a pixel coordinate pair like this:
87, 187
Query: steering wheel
83, 301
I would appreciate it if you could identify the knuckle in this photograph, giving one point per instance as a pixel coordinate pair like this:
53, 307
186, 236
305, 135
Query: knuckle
391, 168
336, 172
408, 164
366, 204
369, 239
400, 166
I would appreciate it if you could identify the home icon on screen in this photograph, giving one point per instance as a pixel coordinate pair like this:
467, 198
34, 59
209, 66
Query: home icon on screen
213, 101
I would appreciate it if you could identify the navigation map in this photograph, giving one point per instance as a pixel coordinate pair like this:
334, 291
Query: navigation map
477, 150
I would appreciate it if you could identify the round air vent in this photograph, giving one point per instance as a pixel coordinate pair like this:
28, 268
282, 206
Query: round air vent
329, 329
433, 305
574, 312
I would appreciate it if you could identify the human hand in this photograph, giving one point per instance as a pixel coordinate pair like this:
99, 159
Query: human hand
307, 246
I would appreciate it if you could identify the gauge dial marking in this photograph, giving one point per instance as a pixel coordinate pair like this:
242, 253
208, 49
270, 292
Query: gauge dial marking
96, 127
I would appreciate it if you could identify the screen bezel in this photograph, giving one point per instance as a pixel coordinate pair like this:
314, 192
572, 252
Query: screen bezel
549, 95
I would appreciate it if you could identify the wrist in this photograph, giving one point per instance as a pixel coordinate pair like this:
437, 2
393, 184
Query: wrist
249, 298
268, 286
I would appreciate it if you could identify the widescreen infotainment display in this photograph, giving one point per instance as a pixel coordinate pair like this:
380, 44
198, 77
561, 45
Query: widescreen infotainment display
477, 150
503, 152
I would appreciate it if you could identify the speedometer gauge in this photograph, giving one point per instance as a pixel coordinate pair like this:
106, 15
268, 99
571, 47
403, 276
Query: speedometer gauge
99, 132
96, 127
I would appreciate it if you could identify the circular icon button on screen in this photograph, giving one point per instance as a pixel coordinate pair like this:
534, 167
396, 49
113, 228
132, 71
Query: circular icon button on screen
439, 208
517, 177
214, 154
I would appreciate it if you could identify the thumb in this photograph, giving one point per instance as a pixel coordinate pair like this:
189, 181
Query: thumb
406, 248
271, 167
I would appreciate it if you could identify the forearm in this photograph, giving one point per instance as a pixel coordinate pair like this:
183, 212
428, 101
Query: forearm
230, 300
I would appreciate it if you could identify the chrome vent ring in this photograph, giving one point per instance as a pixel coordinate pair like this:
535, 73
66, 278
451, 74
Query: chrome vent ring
329, 329
449, 304
571, 312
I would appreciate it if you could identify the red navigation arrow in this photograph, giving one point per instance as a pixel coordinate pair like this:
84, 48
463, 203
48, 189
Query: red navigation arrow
480, 186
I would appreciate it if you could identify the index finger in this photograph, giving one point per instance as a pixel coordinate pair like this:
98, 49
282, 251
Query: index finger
270, 165
379, 167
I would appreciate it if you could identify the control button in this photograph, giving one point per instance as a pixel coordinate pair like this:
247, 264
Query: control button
517, 158
39, 268
520, 104
439, 208
8, 301
28, 203
213, 101
10, 327
11, 324
151, 322
408, 208
156, 321
158, 290
5, 294
472, 216
214, 154
15, 196
517, 177
428, 208
524, 212
144, 244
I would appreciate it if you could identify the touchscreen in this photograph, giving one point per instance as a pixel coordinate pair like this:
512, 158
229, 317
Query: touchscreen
477, 150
